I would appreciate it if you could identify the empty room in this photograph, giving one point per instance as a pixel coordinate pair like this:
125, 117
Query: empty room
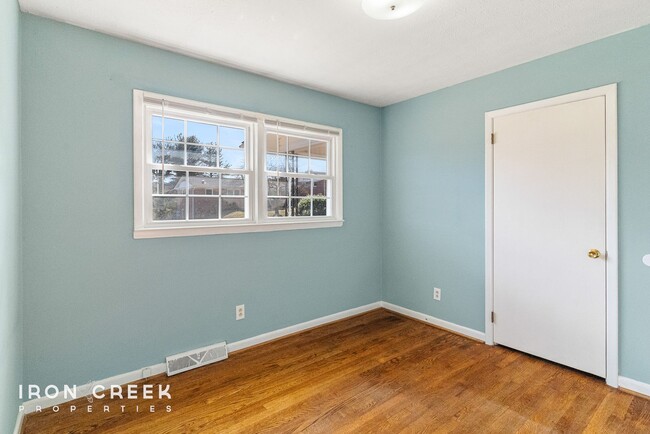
341, 216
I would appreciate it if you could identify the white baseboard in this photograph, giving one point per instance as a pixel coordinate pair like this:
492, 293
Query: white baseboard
461, 330
259, 339
129, 377
18, 429
623, 382
85, 389
634, 386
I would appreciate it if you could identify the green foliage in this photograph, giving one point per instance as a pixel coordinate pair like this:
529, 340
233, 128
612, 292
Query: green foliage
320, 206
167, 209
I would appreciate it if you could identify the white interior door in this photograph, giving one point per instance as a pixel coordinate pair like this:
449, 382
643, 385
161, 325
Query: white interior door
549, 212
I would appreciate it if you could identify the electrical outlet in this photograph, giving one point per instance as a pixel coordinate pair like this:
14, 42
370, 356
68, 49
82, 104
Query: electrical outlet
437, 293
240, 312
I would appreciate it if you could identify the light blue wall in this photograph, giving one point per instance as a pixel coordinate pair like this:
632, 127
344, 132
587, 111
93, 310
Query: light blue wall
98, 302
10, 302
110, 304
433, 163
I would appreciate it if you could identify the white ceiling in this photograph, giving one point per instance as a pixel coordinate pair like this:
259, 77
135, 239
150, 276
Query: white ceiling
332, 46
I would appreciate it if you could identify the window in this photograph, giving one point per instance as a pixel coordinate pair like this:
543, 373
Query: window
205, 169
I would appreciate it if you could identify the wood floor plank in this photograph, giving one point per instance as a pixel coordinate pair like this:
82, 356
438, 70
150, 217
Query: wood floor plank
377, 372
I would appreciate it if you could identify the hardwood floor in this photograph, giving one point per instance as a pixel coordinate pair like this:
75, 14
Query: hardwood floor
378, 372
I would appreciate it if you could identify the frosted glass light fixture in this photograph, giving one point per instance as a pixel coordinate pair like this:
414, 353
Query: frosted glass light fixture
646, 260
390, 9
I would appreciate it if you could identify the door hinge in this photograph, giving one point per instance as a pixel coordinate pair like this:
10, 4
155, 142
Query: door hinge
492, 317
492, 139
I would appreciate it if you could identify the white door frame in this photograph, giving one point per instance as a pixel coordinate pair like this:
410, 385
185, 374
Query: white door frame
611, 265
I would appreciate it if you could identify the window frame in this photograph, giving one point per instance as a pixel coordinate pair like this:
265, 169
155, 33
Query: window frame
330, 175
257, 126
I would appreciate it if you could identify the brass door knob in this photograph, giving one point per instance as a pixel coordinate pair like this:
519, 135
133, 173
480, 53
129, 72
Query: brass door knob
594, 253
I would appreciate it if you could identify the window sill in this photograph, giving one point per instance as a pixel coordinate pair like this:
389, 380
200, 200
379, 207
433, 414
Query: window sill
167, 232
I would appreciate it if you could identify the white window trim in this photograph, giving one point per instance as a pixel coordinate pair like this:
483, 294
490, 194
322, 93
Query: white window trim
259, 124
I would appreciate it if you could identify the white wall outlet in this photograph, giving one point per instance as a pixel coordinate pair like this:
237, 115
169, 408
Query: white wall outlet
437, 293
240, 312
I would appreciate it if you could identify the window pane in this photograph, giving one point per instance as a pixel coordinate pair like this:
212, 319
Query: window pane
318, 159
201, 133
298, 155
301, 207
203, 156
231, 137
299, 146
179, 183
300, 187
156, 182
174, 153
318, 166
204, 183
278, 186
203, 208
169, 208
271, 162
233, 185
278, 207
232, 208
272, 143
156, 127
292, 163
173, 129
282, 162
276, 143
319, 149
297, 164
303, 165
156, 151
320, 187
174, 182
319, 205
231, 159
276, 162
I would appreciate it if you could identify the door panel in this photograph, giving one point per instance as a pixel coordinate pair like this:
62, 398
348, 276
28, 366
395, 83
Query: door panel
549, 211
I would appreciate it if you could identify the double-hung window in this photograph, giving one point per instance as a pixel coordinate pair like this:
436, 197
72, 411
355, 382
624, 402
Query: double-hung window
206, 169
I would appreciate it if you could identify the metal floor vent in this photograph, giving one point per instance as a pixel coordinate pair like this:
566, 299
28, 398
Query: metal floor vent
195, 358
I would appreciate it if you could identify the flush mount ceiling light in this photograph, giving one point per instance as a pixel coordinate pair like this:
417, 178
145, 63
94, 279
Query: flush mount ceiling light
390, 9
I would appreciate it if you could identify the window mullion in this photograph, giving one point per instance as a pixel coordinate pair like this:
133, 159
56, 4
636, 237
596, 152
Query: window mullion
181, 168
299, 175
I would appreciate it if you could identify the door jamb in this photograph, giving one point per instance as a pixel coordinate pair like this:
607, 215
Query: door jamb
611, 193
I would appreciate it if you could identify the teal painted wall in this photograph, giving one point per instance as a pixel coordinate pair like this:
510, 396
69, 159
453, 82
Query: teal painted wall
433, 165
98, 302
10, 301
112, 304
